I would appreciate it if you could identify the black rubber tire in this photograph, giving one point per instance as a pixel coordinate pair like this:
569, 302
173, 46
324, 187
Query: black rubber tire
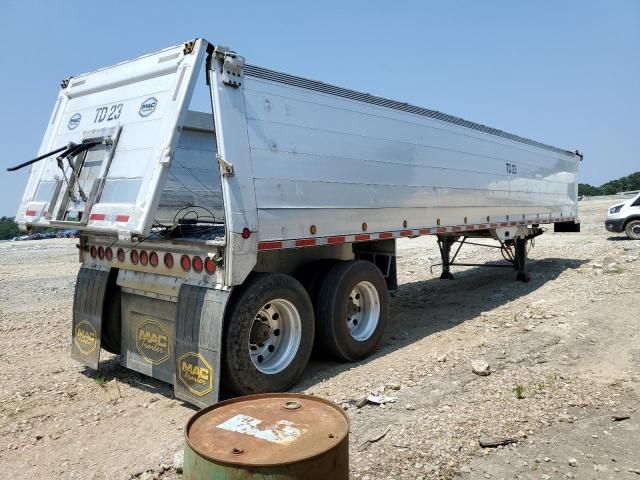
239, 374
311, 276
331, 308
629, 227
111, 334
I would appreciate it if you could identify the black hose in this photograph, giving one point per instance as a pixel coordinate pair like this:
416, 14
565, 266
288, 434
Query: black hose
41, 157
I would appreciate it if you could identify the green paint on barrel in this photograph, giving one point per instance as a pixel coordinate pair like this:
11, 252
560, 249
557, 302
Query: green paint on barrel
268, 437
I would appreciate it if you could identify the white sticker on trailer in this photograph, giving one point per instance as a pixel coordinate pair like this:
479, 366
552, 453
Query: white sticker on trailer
282, 432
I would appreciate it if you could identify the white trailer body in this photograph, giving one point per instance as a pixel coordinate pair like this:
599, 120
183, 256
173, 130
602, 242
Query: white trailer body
285, 171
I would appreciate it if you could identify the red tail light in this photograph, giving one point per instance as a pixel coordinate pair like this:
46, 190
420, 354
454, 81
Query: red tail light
153, 259
134, 257
185, 262
121, 255
108, 254
168, 260
101, 252
209, 266
197, 264
144, 257
93, 251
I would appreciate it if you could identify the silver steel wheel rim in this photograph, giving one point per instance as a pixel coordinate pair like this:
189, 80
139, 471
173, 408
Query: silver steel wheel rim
275, 335
363, 311
635, 229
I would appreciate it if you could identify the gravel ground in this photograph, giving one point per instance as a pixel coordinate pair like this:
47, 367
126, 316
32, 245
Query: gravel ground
566, 343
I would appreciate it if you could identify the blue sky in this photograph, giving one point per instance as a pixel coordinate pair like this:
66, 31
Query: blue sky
564, 73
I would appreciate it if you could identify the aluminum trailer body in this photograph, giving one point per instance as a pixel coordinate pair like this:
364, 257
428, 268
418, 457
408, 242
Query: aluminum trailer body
187, 218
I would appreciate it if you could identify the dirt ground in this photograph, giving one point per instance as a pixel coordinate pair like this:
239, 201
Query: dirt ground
567, 342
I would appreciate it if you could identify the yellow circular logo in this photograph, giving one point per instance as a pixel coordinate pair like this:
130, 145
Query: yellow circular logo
195, 373
85, 337
153, 342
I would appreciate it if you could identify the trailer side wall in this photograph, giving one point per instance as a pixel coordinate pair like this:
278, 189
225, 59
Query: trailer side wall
333, 162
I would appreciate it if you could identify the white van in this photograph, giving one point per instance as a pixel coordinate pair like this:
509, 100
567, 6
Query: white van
625, 217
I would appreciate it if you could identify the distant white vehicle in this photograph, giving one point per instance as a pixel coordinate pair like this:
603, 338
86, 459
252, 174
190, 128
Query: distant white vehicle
216, 248
625, 217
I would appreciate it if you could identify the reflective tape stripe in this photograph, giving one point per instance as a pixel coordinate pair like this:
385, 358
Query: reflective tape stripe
269, 245
305, 242
336, 240
111, 218
360, 237
30, 213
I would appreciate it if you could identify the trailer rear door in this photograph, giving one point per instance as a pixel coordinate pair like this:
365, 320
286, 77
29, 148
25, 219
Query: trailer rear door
121, 125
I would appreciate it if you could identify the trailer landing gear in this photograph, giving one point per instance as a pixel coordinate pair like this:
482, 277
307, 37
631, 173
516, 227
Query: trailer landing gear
445, 244
514, 251
520, 260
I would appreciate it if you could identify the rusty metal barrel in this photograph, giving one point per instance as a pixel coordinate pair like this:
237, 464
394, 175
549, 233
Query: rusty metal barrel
272, 436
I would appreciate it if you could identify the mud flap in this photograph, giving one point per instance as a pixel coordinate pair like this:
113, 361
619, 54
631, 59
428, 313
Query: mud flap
147, 335
199, 320
91, 288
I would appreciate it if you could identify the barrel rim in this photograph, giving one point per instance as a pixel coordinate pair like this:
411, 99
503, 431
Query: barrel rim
339, 439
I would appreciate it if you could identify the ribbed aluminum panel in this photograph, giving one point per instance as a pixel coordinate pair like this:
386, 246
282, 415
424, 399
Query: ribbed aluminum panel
285, 78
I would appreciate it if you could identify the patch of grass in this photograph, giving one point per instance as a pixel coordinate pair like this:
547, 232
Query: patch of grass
100, 380
518, 391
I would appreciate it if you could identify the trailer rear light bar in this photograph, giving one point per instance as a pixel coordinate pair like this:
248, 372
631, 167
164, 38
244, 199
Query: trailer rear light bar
144, 258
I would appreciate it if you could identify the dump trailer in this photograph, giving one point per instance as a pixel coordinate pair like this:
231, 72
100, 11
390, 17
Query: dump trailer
218, 249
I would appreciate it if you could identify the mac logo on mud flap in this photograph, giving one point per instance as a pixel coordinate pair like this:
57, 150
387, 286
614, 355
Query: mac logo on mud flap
74, 121
85, 337
148, 107
152, 342
195, 373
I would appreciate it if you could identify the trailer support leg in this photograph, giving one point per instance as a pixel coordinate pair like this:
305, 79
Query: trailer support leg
445, 243
521, 259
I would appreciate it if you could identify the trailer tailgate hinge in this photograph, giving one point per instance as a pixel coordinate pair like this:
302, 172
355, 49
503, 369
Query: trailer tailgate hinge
227, 168
232, 64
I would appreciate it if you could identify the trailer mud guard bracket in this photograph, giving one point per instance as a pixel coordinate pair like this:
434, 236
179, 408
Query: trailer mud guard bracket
199, 321
88, 303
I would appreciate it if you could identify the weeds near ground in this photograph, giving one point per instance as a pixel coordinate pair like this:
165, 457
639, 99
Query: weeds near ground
518, 391
100, 380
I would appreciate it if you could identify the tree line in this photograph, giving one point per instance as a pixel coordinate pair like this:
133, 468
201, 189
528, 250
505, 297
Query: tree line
8, 228
622, 184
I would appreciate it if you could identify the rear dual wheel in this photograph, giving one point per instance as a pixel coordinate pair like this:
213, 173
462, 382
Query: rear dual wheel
269, 332
352, 309
270, 323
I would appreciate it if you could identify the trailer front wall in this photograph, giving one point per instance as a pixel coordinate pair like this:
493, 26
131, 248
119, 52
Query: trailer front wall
333, 162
